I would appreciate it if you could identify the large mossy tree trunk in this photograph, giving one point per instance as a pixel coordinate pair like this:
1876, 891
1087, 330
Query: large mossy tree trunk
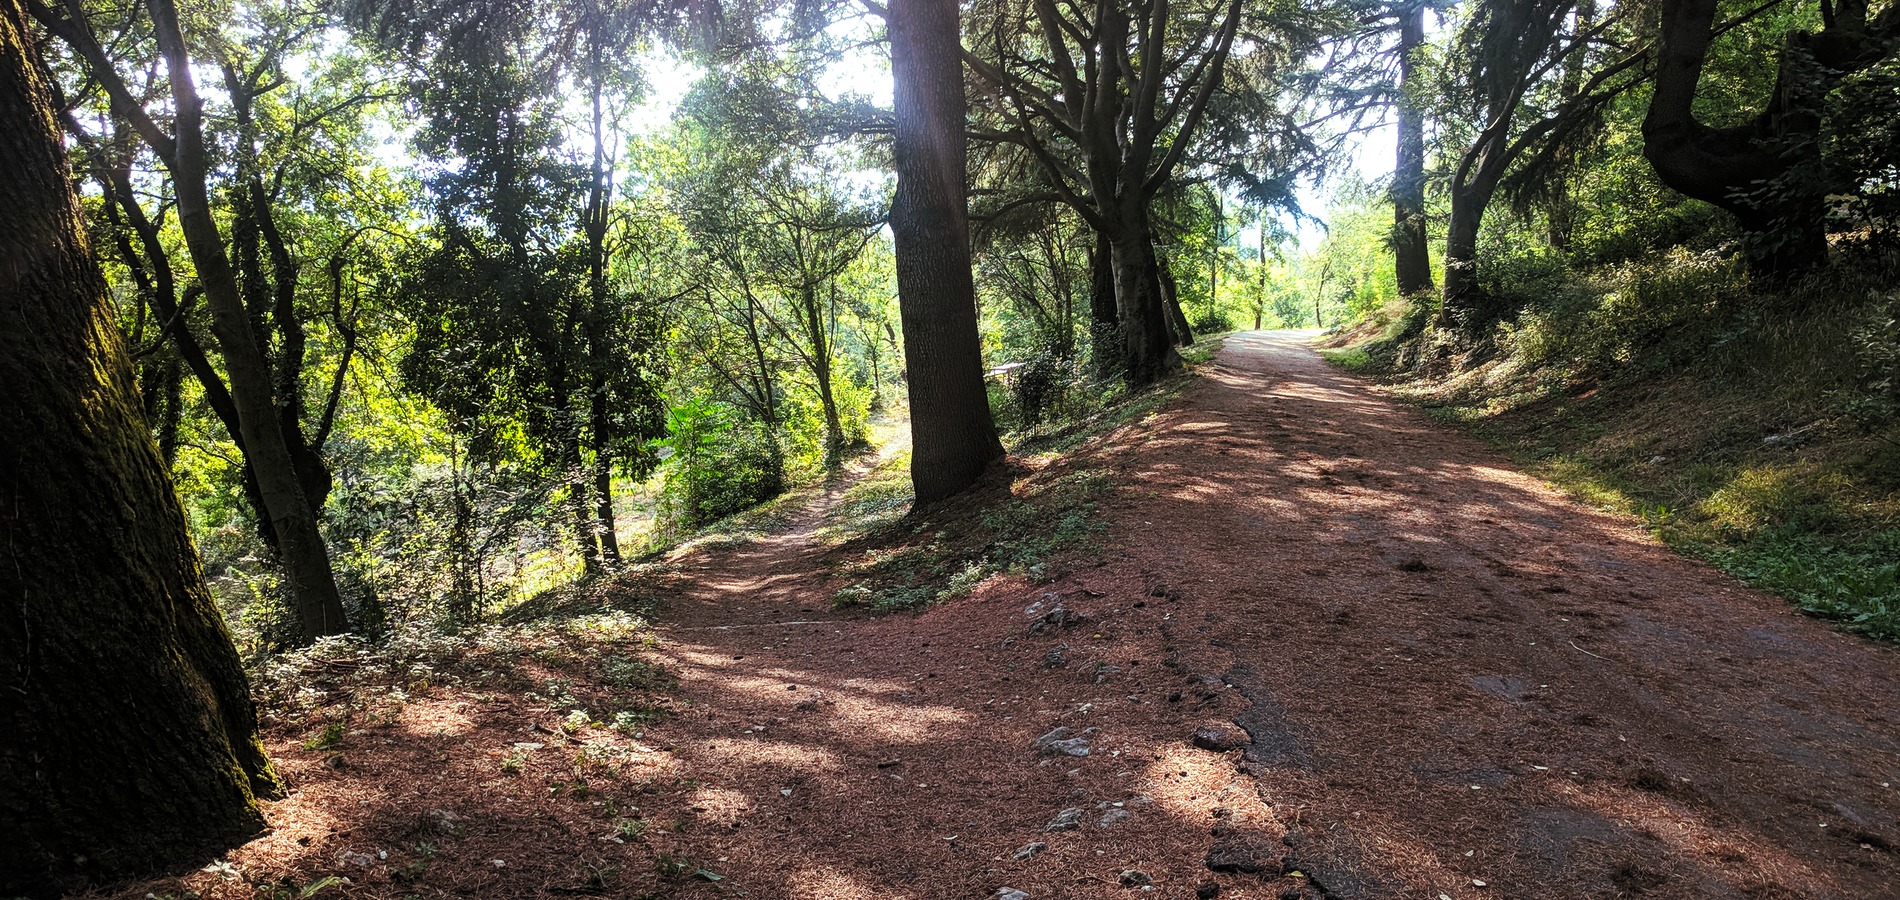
953, 436
128, 741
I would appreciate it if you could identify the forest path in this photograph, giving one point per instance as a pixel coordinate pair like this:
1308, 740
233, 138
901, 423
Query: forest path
778, 579
1448, 681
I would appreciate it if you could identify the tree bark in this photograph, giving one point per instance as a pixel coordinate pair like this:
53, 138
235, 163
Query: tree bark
301, 547
1105, 334
127, 736
1171, 300
953, 436
1147, 341
1410, 245
1466, 305
814, 326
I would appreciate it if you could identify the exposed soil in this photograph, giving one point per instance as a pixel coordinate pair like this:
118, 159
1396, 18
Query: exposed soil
1333, 650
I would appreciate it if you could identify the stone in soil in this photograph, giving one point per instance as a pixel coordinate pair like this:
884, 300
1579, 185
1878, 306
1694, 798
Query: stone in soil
1009, 893
1067, 820
1112, 817
1056, 617
1063, 741
1030, 849
1207, 890
1133, 878
1219, 738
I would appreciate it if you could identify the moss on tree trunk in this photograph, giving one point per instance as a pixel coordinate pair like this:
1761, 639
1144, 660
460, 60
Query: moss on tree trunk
128, 740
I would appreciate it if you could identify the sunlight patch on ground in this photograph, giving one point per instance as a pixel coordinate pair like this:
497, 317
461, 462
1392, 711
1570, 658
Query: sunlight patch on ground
795, 759
829, 883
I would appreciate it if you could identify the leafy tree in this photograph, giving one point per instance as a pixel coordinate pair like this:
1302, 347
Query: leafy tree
1772, 171
257, 393
1107, 100
1509, 89
522, 333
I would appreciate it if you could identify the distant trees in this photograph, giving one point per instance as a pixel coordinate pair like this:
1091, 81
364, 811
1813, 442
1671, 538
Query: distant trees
1107, 101
264, 402
524, 334
127, 735
954, 436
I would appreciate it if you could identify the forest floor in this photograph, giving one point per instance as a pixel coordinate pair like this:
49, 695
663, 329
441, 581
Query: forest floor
1329, 649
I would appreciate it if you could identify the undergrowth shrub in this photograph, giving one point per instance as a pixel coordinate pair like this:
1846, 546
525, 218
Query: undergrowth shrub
1214, 321
1876, 355
1855, 584
714, 467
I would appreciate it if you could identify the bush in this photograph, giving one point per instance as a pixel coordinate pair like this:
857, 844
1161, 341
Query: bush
1214, 321
716, 468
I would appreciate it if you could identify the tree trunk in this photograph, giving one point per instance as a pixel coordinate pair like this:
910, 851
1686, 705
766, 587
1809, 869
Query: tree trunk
1171, 300
1105, 333
579, 481
1410, 250
594, 217
1147, 342
1741, 169
604, 483
953, 436
1467, 307
821, 371
128, 740
306, 559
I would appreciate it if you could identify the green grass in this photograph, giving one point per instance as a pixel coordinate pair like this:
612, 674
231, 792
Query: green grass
1854, 583
1352, 359
1732, 422
905, 561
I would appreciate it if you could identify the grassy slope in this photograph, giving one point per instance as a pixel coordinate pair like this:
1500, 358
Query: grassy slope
1745, 428
1032, 516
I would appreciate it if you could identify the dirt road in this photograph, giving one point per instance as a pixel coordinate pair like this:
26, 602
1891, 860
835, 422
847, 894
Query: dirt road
1449, 681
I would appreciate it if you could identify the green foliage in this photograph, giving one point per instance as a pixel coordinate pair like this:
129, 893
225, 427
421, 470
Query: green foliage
1856, 584
1874, 402
331, 736
714, 468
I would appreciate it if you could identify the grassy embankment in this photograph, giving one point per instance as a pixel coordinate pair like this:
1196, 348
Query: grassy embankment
1758, 429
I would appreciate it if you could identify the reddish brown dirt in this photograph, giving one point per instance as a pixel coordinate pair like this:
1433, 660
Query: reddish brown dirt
1453, 682
1450, 674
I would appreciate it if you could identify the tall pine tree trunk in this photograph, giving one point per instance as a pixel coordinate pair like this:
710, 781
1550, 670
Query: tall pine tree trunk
127, 736
1410, 246
953, 436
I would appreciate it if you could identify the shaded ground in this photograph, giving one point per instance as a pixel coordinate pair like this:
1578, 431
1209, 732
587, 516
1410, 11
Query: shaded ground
1438, 678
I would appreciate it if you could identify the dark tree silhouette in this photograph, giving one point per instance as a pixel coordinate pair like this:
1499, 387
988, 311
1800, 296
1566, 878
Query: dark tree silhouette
127, 736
